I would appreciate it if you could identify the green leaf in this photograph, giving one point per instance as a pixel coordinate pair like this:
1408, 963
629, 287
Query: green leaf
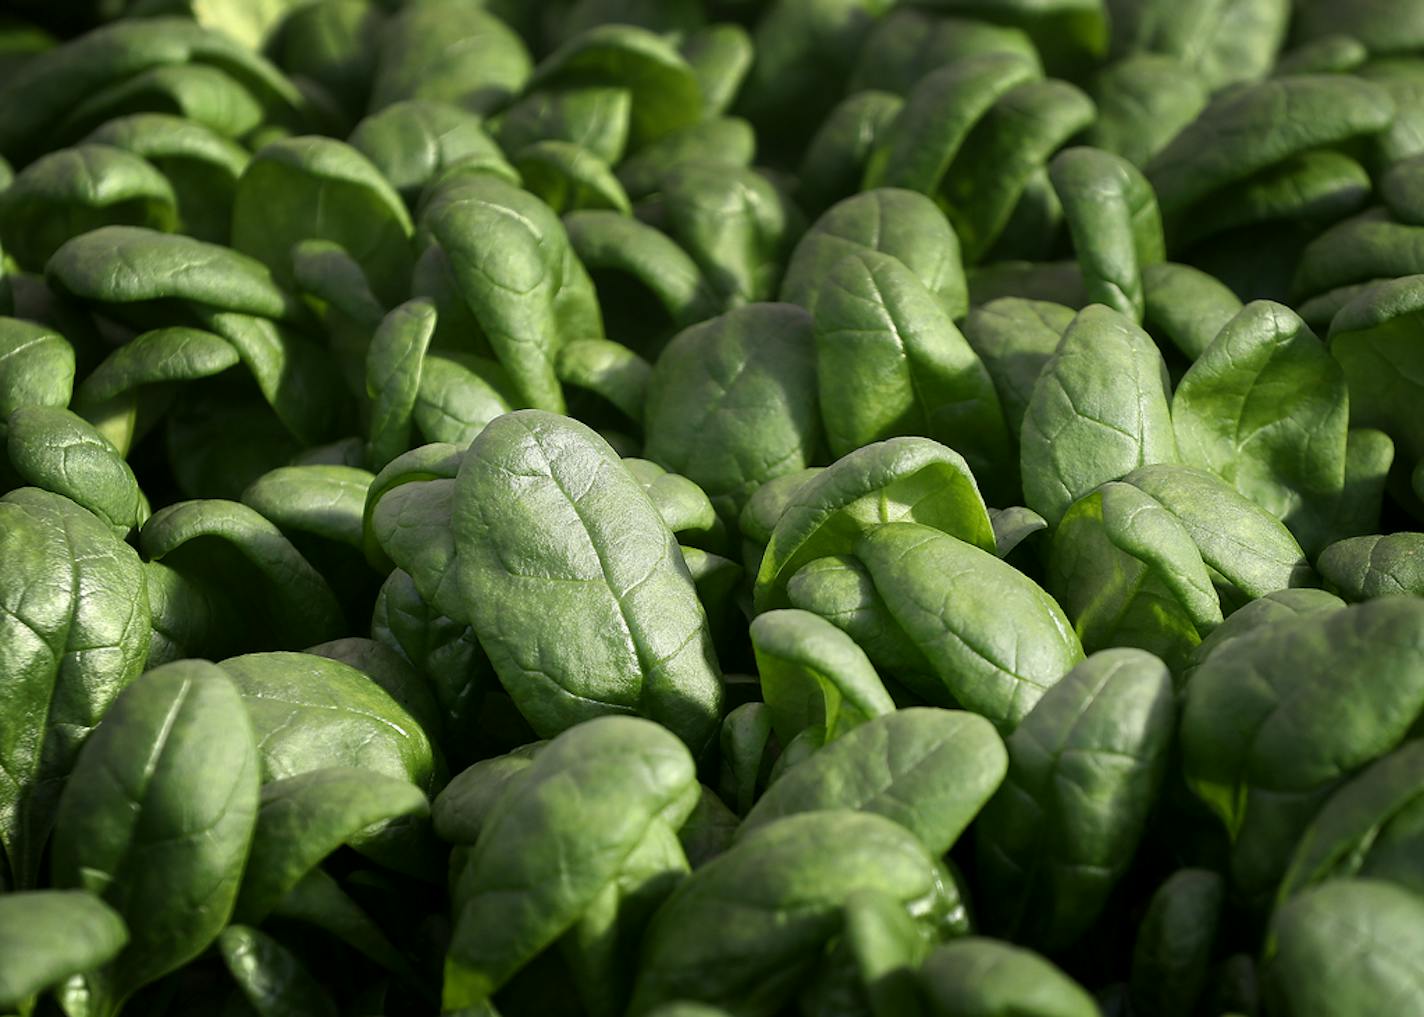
330, 49
727, 141
516, 274
900, 223
74, 625
1401, 188
1185, 306
897, 480
36, 367
394, 363
590, 800
889, 361
48, 935
939, 113
458, 397
732, 402
775, 900
1310, 188
1129, 572
1360, 249
1014, 525
37, 100
592, 116
555, 536
464, 806
1015, 338
320, 902
336, 288
1175, 942
799, 47
1342, 950
1283, 604
163, 266
762, 510
449, 51
841, 590
1143, 100
834, 161
158, 818
1362, 568
393, 673
413, 141
1369, 828
442, 650
1057, 282
747, 751
666, 93
1116, 227
311, 713
314, 188
889, 947
908, 43
408, 509
1380, 26
568, 177
683, 506
1224, 44
201, 166
207, 95
1246, 130
1245, 546
1329, 53
609, 369
720, 56
735, 223
1099, 410
996, 641
57, 451
813, 677
929, 770
1003, 156
1271, 727
1375, 340
293, 373
326, 501
1084, 769
303, 818
78, 189
236, 553
121, 396
975, 977
272, 980
708, 830
607, 242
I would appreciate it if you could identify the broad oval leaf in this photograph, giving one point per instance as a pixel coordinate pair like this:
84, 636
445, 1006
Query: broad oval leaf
48, 935
590, 797
929, 770
549, 524
74, 624
1098, 411
732, 402
897, 480
814, 679
996, 641
158, 818
1272, 724
1343, 950
1084, 769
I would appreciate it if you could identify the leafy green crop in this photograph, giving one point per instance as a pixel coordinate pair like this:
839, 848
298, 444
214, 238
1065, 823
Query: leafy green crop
712, 508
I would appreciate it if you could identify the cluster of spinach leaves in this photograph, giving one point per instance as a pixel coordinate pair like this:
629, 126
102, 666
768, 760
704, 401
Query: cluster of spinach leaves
712, 508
